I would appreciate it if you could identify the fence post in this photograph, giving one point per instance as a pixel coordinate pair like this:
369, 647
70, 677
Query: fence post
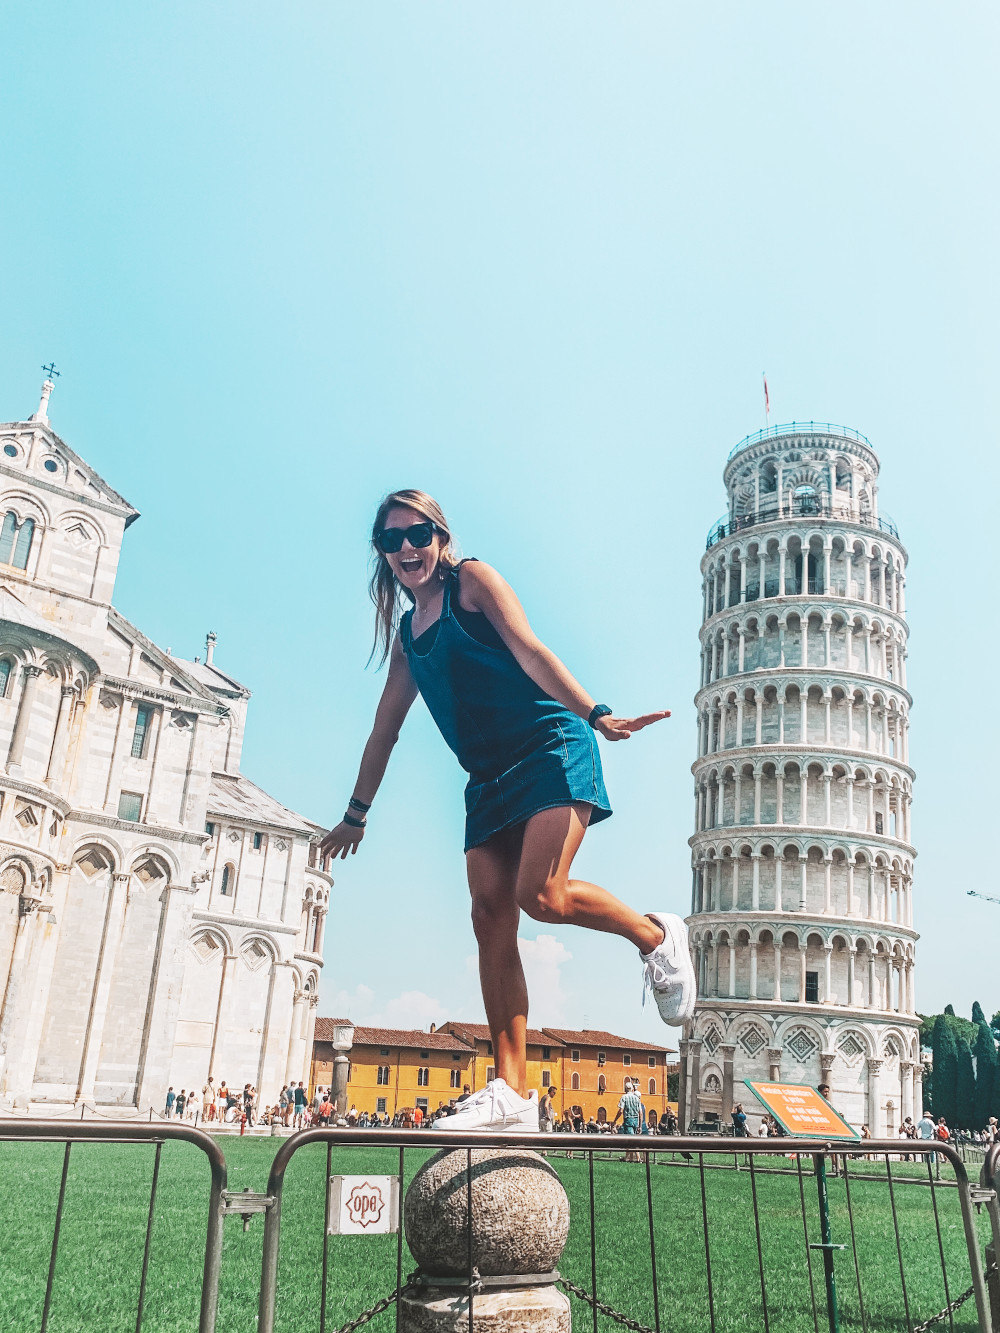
833, 1314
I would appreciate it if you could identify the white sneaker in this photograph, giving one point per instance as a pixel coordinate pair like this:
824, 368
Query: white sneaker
495, 1109
668, 973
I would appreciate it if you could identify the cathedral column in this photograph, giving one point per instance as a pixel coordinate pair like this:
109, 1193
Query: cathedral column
682, 1084
906, 1088
779, 786
851, 905
18, 998
828, 974
851, 956
849, 780
753, 969
310, 1036
742, 652
296, 1035
728, 1056
874, 1099
803, 717
870, 906
774, 1063
755, 883
695, 1084
737, 797
735, 884
802, 973
827, 705
827, 798
114, 920
779, 861
756, 797
153, 745
777, 969
29, 689
828, 885
60, 735
732, 968
872, 991
803, 887
117, 758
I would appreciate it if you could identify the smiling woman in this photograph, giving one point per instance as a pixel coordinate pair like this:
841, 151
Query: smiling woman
525, 731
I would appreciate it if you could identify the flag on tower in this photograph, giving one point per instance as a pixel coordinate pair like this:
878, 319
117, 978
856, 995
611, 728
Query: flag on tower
767, 400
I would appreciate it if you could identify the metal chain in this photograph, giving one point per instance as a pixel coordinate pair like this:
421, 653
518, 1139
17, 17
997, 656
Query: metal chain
952, 1306
384, 1304
610, 1311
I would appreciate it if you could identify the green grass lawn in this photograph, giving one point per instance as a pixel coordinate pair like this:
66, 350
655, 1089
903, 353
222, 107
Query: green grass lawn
104, 1224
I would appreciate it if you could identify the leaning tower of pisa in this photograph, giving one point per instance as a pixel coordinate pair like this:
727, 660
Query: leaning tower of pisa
802, 913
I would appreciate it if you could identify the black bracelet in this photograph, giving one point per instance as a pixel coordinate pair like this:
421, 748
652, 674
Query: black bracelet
352, 822
597, 712
355, 804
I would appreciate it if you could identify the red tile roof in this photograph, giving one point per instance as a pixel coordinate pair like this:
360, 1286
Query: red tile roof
411, 1038
480, 1032
595, 1037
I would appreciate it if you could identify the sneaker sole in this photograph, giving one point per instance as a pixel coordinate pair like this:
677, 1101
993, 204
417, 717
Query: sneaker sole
678, 932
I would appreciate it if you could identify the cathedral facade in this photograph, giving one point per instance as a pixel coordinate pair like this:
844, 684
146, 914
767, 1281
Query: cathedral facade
801, 924
161, 916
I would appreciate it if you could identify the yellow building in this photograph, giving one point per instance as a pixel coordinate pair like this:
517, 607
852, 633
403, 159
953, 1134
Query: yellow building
393, 1069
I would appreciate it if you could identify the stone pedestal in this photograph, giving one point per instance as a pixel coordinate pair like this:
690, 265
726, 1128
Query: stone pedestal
520, 1221
499, 1310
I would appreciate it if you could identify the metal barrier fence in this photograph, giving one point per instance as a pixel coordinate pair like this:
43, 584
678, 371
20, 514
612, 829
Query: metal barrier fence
990, 1181
761, 1255
75, 1133
667, 1235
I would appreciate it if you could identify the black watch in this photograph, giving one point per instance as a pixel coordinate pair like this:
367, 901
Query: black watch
597, 712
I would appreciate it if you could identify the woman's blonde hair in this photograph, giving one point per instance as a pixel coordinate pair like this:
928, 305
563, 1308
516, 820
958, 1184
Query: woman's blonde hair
383, 587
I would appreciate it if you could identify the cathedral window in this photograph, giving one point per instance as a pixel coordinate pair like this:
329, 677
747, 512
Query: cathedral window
5, 667
130, 805
22, 545
51, 465
812, 988
140, 736
210, 829
260, 842
10, 450
228, 879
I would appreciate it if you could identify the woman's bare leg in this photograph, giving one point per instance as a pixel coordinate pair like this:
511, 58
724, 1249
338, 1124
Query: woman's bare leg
492, 869
545, 891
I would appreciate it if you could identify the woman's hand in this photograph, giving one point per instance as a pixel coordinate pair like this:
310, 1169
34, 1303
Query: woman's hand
621, 728
339, 841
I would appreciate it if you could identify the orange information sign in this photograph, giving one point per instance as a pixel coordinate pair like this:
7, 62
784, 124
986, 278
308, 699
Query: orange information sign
801, 1111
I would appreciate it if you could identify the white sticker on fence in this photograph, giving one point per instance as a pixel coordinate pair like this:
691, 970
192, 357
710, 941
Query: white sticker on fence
363, 1205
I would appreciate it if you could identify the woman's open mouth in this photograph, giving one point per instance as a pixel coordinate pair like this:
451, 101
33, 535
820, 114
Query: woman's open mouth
411, 564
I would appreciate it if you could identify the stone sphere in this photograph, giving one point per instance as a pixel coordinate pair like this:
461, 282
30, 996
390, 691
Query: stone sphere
520, 1213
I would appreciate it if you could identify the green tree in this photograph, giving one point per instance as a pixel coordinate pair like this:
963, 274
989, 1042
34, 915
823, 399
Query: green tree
950, 1009
995, 1021
965, 1088
986, 1072
977, 1013
945, 1050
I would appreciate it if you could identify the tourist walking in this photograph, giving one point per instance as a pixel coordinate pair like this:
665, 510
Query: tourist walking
525, 731
547, 1109
168, 1110
298, 1105
630, 1110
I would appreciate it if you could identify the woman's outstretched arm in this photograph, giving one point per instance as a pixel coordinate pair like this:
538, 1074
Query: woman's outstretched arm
398, 694
483, 589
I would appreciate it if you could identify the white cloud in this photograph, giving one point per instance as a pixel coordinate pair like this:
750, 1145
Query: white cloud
543, 959
411, 1009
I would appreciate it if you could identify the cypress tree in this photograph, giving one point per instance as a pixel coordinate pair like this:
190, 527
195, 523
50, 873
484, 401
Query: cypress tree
945, 1051
950, 1009
965, 1091
986, 1073
977, 1012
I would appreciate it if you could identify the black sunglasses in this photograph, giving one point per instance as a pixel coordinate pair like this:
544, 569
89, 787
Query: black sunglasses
390, 540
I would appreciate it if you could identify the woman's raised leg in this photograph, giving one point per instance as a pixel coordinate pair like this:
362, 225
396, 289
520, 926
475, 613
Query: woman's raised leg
545, 891
492, 869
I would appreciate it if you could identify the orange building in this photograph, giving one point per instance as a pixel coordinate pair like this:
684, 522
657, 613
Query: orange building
392, 1068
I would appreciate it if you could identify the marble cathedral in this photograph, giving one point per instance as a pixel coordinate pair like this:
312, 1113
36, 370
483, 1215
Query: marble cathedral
161, 917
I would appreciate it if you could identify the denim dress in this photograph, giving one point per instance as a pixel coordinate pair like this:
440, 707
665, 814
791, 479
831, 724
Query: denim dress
523, 751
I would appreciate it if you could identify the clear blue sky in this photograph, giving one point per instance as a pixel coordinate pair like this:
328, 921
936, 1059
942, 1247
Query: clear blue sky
532, 258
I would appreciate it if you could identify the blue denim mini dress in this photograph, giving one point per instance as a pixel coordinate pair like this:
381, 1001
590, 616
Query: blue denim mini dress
523, 751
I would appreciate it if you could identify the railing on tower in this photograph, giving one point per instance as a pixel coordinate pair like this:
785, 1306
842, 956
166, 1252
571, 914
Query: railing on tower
807, 506
800, 428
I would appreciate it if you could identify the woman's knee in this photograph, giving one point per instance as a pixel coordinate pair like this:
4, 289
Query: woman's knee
547, 900
493, 914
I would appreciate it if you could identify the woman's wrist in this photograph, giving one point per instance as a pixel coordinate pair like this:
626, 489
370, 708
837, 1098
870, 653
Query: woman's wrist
353, 822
